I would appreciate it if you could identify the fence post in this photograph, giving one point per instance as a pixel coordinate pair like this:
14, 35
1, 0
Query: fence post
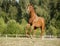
6, 35
16, 35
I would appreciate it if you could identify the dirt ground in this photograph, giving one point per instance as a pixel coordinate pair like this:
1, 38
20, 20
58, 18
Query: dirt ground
10, 41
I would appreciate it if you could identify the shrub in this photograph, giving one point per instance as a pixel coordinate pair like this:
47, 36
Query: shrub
52, 30
2, 26
13, 27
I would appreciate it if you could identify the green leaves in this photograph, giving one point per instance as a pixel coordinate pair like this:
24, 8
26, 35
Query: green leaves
3, 14
12, 12
2, 26
13, 27
1, 1
13, 16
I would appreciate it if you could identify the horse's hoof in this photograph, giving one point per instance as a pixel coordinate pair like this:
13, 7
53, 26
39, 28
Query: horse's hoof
31, 36
27, 35
42, 37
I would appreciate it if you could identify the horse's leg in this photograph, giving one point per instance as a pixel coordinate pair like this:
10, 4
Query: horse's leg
34, 32
27, 27
32, 28
42, 31
26, 32
27, 35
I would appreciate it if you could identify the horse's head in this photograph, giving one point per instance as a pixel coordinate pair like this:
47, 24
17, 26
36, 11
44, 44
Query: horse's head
30, 8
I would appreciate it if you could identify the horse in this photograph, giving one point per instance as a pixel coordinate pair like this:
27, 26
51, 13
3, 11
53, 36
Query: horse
35, 21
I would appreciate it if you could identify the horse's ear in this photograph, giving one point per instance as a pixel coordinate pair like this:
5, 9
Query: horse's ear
30, 4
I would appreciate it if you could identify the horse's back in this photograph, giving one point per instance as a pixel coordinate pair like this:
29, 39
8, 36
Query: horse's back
41, 19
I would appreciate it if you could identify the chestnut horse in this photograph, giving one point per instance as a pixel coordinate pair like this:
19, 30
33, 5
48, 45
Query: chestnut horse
35, 21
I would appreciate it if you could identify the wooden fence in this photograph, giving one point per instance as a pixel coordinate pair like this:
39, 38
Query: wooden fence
23, 35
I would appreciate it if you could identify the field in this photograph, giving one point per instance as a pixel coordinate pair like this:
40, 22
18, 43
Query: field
17, 41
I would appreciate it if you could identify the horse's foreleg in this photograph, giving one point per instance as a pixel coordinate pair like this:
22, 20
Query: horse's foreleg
30, 20
26, 32
27, 27
34, 31
31, 28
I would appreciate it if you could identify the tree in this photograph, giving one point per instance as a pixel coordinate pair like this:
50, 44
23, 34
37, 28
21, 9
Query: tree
3, 14
1, 1
12, 12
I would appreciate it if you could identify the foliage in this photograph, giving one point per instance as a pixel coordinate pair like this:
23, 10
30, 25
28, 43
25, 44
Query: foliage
2, 26
13, 27
1, 2
52, 31
12, 12
13, 15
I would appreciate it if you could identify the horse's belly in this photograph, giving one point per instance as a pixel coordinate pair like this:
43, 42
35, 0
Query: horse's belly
38, 22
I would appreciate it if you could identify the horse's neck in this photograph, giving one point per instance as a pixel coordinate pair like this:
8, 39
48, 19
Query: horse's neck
33, 14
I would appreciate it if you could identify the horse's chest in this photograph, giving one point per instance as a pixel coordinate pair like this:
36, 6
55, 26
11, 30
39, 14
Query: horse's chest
35, 20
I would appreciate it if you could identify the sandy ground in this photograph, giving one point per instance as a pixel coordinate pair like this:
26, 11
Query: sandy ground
10, 41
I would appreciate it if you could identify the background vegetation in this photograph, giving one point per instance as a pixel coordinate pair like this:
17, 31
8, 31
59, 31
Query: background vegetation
13, 16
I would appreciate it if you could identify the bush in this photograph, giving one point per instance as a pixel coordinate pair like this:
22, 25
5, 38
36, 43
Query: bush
23, 26
13, 27
52, 31
2, 26
3, 14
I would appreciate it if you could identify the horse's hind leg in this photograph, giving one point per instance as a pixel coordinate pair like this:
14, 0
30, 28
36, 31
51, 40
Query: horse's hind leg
34, 32
42, 32
27, 27
32, 28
